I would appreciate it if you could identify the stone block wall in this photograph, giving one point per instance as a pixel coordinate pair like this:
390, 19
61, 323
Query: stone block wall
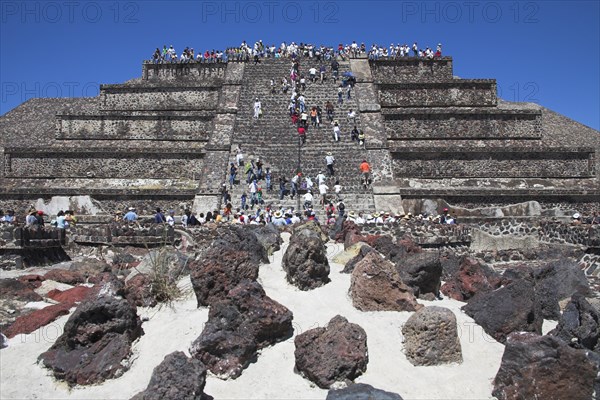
146, 127
425, 124
158, 98
457, 93
411, 69
144, 164
199, 71
502, 163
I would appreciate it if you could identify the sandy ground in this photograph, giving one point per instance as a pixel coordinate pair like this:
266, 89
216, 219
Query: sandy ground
272, 376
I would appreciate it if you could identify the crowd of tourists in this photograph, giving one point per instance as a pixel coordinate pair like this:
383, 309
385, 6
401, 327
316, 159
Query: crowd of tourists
258, 50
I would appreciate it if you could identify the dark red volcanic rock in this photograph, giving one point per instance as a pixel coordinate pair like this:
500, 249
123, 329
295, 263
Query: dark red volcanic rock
471, 278
34, 320
73, 295
95, 343
219, 271
376, 286
509, 309
176, 377
337, 352
543, 367
305, 260
579, 325
65, 276
15, 289
238, 326
139, 291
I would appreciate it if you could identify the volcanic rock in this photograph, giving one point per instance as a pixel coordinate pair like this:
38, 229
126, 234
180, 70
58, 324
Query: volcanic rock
220, 270
15, 289
543, 367
471, 278
268, 236
65, 276
376, 286
238, 326
34, 320
305, 260
96, 342
139, 291
335, 353
362, 252
361, 391
508, 309
422, 272
431, 337
73, 295
579, 325
176, 377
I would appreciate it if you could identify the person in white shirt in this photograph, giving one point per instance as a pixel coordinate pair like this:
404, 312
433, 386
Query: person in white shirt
171, 218
308, 200
337, 188
321, 178
352, 116
336, 132
323, 192
330, 161
313, 74
257, 109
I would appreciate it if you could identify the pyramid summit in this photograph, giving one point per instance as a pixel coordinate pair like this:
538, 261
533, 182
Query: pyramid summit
172, 134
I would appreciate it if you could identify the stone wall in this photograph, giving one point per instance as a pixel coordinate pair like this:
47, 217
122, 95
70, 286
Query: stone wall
411, 69
200, 71
103, 164
158, 98
427, 124
457, 93
138, 127
511, 163
119, 234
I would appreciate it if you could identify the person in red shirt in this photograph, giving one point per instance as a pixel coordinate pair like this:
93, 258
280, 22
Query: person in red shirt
365, 170
302, 133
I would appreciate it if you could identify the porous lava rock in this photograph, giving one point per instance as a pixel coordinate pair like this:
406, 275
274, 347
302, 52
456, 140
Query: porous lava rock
305, 260
36, 319
240, 238
362, 252
268, 236
176, 377
96, 342
139, 291
238, 326
337, 352
470, 278
431, 337
361, 391
508, 309
543, 367
218, 271
579, 325
74, 295
376, 286
422, 272
65, 276
15, 289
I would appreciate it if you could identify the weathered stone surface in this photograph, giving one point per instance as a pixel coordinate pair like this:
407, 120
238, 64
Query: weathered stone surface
361, 391
313, 226
238, 326
65, 276
219, 271
471, 278
335, 353
239, 238
431, 337
362, 252
543, 367
73, 295
422, 272
139, 291
508, 309
376, 286
95, 343
579, 324
556, 281
268, 236
15, 289
176, 377
305, 260
34, 320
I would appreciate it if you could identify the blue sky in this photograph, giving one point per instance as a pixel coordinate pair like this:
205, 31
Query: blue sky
547, 52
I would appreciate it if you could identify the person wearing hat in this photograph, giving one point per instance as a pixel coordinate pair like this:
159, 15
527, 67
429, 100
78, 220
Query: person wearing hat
278, 219
39, 218
330, 161
130, 216
576, 219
